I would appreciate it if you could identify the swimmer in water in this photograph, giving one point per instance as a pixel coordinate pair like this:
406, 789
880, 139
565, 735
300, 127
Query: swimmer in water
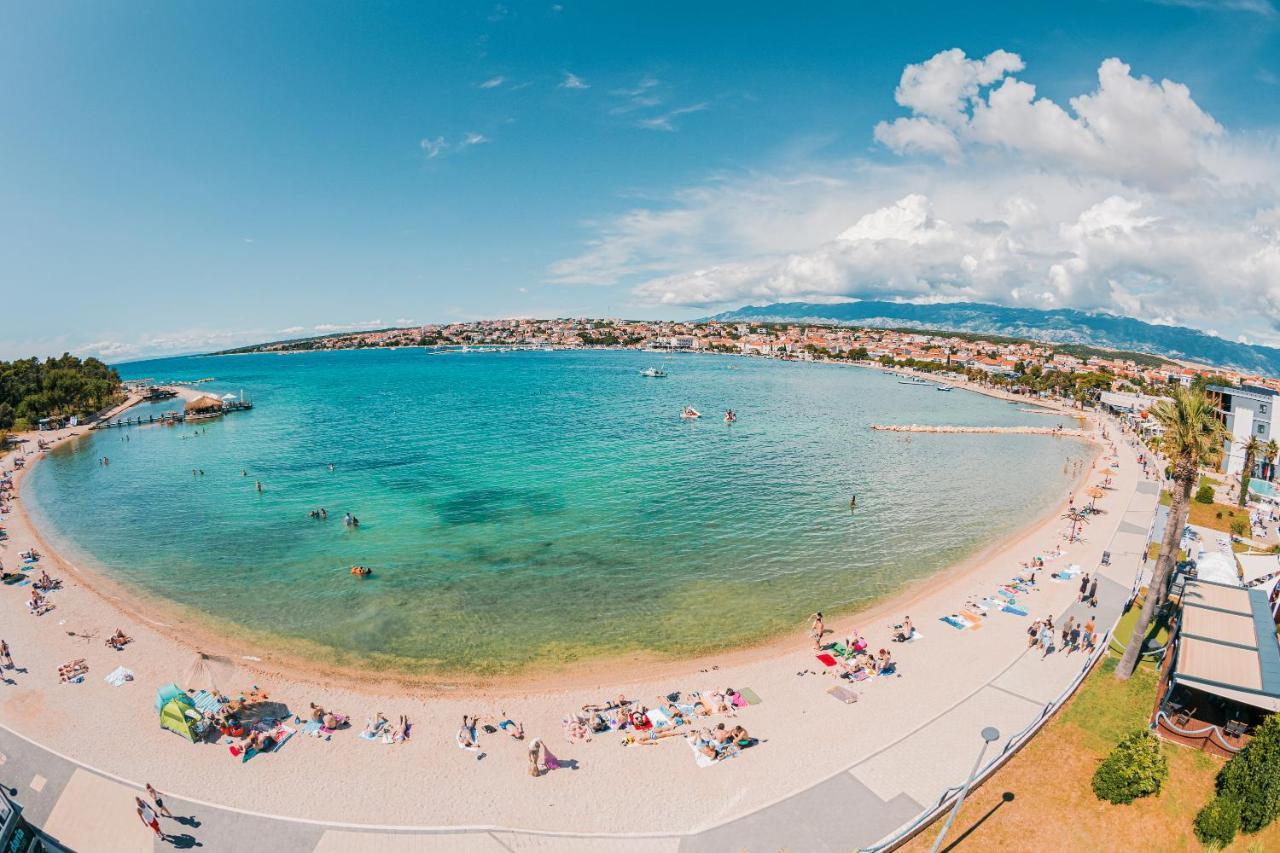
258, 485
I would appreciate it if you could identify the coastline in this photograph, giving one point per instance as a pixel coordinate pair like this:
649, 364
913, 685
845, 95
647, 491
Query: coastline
807, 738
272, 656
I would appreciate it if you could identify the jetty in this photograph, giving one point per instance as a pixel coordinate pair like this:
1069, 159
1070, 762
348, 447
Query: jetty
999, 430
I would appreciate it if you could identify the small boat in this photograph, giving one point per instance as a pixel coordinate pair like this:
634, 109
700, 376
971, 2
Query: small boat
653, 372
690, 413
944, 388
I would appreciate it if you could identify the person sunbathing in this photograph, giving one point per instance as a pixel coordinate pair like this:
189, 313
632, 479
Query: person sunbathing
374, 726
884, 662
612, 705
639, 720
333, 721
317, 713
576, 729
904, 632
119, 640
511, 727
704, 743
652, 736
399, 734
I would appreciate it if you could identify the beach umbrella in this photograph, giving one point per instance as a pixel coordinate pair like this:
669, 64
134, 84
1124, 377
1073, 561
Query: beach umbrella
208, 672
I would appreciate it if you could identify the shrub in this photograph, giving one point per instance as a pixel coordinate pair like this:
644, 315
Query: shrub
1252, 776
1218, 822
1239, 526
1204, 494
1135, 768
1218, 514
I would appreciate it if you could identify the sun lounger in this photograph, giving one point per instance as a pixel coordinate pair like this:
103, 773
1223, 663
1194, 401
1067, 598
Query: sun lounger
848, 697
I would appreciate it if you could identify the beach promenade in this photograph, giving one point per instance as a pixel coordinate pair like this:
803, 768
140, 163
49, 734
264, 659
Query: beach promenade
826, 776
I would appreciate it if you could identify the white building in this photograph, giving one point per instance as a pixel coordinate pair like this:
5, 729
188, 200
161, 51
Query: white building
1249, 412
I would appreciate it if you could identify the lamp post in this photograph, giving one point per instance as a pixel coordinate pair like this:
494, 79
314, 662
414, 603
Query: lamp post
989, 735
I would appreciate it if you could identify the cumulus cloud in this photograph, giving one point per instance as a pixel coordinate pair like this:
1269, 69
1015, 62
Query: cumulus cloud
1131, 199
1129, 127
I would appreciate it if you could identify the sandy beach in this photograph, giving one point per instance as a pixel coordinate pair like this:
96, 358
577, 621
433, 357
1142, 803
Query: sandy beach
806, 736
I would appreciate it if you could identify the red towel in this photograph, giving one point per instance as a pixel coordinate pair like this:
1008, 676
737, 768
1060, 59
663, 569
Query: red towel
827, 659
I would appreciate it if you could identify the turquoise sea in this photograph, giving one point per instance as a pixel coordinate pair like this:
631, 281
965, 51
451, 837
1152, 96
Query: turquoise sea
529, 508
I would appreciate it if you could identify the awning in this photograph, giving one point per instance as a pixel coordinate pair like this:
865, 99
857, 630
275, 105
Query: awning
1227, 644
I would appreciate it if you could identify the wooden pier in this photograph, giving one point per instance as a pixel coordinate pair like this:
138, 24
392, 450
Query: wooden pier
171, 417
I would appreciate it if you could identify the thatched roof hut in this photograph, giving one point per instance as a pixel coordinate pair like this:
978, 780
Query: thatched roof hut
204, 404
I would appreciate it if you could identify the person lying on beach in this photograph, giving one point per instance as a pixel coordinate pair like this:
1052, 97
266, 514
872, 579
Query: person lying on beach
576, 729
30, 555
71, 671
510, 726
45, 583
38, 605
119, 640
332, 721
374, 726
467, 738
399, 734
316, 714
611, 705
855, 642
652, 736
903, 632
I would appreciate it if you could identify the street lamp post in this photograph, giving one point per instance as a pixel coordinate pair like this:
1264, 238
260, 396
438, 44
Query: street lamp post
989, 734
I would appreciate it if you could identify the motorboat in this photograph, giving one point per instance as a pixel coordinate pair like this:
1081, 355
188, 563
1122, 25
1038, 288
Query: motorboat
690, 413
654, 372
944, 387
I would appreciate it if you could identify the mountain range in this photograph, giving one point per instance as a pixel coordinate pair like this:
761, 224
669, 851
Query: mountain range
1059, 325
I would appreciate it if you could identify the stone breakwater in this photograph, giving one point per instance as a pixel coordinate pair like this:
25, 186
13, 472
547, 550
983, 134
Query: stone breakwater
1002, 430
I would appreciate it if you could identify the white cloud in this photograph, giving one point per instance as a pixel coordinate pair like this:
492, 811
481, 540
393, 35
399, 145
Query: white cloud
493, 82
291, 330
1131, 128
664, 121
473, 138
434, 147
573, 81
1257, 7
362, 325
1132, 199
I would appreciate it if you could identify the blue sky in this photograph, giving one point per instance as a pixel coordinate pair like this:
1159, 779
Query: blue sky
181, 177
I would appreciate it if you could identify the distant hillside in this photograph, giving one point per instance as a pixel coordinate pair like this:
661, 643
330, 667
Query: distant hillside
1064, 326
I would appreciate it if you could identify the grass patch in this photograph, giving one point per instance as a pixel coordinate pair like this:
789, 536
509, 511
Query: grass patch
1206, 515
1053, 806
1158, 631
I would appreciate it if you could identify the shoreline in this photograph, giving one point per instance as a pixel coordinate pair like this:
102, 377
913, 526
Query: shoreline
807, 739
298, 659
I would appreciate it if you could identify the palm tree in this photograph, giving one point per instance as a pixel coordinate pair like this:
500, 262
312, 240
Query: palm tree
1246, 474
1193, 436
1271, 451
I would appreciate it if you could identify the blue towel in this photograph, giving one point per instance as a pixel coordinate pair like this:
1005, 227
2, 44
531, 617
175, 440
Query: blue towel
1016, 611
954, 623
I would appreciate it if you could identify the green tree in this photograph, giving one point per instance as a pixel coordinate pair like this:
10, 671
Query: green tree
1269, 453
1135, 768
1193, 436
1252, 777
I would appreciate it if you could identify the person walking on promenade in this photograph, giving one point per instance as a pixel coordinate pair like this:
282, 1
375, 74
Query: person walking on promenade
155, 798
1093, 592
1084, 586
148, 816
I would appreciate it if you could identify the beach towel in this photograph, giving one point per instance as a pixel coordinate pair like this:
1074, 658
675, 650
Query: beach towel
657, 716
312, 728
958, 624
700, 758
119, 676
207, 703
848, 697
826, 659
548, 760
750, 695
1016, 611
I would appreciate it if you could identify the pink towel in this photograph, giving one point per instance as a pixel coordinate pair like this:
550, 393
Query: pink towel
549, 760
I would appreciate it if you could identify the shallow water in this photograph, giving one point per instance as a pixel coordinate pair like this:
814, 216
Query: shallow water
535, 507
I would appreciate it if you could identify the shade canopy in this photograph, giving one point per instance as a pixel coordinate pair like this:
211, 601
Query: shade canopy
1227, 644
200, 404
